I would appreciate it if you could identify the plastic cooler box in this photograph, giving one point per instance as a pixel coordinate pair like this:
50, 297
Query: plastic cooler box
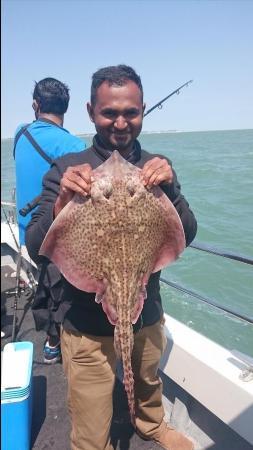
16, 396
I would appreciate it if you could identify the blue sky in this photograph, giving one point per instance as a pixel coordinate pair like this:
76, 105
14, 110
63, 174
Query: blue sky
167, 42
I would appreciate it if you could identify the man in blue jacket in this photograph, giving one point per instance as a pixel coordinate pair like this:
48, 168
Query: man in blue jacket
36, 145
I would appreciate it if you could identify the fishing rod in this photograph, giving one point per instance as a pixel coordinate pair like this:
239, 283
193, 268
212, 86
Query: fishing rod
159, 104
16, 297
18, 276
18, 273
8, 222
28, 271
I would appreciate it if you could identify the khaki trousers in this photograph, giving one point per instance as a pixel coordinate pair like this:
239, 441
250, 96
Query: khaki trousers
90, 364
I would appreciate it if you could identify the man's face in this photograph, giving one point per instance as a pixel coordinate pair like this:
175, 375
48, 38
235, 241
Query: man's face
117, 115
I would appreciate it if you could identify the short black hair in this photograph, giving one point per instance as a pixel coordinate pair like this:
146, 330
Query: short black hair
114, 75
51, 95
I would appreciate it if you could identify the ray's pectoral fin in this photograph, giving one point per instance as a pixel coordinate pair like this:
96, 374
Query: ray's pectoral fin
74, 273
169, 252
82, 280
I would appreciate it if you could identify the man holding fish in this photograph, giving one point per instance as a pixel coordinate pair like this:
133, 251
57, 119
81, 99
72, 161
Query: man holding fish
110, 218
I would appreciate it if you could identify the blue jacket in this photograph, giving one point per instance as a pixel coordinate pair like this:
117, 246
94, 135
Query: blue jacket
55, 141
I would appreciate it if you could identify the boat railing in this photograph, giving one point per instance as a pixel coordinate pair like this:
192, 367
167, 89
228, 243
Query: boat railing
9, 209
235, 257
209, 301
205, 248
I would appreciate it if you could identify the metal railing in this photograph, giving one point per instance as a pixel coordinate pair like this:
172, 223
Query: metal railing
209, 301
205, 248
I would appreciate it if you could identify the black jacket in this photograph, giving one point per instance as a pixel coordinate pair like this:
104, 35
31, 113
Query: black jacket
77, 310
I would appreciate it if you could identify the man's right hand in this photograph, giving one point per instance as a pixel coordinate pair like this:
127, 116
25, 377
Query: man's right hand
75, 179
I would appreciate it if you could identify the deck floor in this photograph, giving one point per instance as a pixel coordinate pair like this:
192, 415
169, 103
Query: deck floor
50, 420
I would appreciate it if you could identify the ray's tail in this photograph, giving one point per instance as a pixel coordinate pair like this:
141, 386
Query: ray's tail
123, 342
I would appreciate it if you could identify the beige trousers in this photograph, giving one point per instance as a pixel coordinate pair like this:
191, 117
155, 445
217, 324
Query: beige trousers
90, 364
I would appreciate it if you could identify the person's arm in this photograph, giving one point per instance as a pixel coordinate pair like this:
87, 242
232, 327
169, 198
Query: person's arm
43, 217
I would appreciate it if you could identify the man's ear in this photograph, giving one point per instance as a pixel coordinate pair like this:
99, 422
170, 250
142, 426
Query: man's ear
35, 106
90, 111
143, 108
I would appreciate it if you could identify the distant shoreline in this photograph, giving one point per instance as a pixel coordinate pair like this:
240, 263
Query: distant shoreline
155, 132
174, 131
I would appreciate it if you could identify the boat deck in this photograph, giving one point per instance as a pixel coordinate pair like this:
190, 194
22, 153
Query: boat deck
50, 420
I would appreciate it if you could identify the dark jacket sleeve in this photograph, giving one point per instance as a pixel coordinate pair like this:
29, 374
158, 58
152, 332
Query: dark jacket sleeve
42, 218
173, 191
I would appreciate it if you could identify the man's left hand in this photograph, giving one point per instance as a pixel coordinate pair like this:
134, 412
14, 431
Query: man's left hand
155, 171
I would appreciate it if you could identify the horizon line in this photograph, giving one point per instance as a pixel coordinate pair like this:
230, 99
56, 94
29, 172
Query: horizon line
157, 132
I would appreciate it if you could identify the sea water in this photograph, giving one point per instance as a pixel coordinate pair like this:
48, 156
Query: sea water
215, 170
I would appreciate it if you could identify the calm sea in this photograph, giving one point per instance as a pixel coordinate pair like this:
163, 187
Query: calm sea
215, 170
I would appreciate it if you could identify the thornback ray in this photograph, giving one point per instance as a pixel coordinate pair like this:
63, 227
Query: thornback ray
110, 242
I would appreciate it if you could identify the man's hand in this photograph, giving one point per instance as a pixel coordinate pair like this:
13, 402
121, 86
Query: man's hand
156, 171
75, 179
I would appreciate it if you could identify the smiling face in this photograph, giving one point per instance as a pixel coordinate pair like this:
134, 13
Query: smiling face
117, 115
